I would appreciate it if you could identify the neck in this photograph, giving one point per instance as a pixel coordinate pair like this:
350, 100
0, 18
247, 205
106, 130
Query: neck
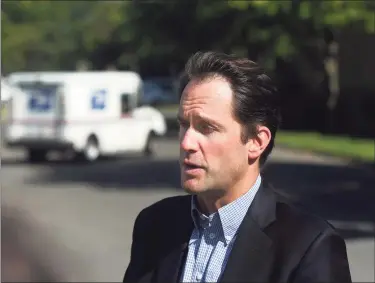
213, 200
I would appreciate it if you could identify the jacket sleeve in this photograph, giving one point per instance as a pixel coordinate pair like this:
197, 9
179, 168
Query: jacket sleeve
325, 261
137, 254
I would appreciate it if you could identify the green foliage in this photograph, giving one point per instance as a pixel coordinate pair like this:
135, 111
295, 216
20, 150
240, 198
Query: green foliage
56, 34
287, 20
331, 13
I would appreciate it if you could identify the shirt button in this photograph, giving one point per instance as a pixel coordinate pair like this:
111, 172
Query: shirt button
199, 276
212, 235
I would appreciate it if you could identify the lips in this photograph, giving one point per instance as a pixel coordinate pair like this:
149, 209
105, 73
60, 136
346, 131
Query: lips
192, 169
191, 165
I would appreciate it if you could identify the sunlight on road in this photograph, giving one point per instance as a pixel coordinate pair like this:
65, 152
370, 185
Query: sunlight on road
91, 209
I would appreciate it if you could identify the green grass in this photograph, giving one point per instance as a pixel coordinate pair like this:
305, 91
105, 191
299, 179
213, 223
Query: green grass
352, 148
169, 110
168, 107
358, 149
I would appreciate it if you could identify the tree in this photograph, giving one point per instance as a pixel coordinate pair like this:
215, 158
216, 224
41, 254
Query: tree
291, 23
40, 35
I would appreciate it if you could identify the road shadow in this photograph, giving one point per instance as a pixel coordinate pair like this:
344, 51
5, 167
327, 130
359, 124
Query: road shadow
344, 195
338, 193
122, 173
55, 162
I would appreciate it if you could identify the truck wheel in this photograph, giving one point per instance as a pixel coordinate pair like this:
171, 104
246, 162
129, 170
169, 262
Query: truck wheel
36, 155
91, 152
149, 148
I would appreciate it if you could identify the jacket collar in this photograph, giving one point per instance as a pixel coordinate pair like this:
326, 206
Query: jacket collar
250, 251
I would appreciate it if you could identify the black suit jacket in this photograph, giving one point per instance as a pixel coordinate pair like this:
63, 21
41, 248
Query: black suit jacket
276, 243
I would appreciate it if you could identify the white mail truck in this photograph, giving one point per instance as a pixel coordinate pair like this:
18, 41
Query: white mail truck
92, 114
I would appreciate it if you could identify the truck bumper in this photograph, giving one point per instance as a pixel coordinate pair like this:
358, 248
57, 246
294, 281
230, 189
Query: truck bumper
40, 144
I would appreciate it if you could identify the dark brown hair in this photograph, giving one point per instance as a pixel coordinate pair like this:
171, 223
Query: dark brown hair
255, 98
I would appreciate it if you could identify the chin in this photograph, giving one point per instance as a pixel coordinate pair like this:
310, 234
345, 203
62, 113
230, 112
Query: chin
191, 186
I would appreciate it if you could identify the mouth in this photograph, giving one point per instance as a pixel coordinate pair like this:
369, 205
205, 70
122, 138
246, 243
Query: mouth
191, 168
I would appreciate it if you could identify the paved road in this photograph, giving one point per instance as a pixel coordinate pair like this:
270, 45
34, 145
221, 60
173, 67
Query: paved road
91, 208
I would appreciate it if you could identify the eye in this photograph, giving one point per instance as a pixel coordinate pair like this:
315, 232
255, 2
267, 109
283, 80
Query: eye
183, 124
205, 128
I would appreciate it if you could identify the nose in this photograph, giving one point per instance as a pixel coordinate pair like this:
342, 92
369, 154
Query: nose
188, 140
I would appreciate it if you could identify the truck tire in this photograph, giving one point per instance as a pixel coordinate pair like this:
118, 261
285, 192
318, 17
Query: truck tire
149, 149
91, 151
36, 155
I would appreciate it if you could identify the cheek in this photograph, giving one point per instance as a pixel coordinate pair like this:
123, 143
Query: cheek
223, 151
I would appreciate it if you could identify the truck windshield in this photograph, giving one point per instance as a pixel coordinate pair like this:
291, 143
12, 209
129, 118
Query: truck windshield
38, 87
41, 96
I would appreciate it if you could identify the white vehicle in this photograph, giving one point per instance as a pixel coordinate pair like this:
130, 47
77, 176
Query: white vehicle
93, 114
7, 90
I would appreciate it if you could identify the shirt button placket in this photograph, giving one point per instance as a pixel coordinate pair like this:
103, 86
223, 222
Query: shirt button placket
198, 277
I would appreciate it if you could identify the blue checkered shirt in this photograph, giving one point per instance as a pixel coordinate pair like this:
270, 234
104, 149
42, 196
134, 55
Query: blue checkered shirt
212, 238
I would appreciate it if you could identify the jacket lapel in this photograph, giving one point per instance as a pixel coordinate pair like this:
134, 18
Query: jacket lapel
252, 253
169, 267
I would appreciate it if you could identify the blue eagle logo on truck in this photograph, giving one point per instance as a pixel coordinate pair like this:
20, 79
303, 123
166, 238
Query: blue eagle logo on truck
98, 99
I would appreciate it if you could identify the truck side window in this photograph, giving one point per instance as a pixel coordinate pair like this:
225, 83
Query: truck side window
125, 103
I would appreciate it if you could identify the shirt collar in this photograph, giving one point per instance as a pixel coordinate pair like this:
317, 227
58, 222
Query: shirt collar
231, 215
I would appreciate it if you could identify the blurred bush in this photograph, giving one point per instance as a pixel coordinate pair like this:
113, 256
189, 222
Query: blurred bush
293, 39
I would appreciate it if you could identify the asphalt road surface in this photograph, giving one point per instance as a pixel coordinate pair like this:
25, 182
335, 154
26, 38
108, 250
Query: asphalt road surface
90, 209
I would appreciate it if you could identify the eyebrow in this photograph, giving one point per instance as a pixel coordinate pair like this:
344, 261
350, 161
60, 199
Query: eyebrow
202, 117
180, 118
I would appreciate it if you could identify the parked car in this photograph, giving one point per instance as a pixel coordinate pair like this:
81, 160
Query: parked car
159, 91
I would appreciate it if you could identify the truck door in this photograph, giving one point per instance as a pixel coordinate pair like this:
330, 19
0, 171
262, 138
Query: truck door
40, 110
132, 128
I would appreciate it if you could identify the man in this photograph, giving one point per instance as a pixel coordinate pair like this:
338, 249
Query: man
233, 228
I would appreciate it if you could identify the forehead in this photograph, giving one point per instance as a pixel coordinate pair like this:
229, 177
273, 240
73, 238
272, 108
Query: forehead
211, 95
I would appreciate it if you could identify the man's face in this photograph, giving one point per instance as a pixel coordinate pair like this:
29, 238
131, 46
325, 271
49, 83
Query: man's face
212, 156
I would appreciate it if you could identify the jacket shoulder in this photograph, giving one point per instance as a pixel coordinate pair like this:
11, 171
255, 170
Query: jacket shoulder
292, 216
299, 217
168, 209
167, 204
304, 242
297, 228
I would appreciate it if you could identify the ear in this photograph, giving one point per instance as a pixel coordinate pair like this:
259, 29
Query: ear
257, 144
